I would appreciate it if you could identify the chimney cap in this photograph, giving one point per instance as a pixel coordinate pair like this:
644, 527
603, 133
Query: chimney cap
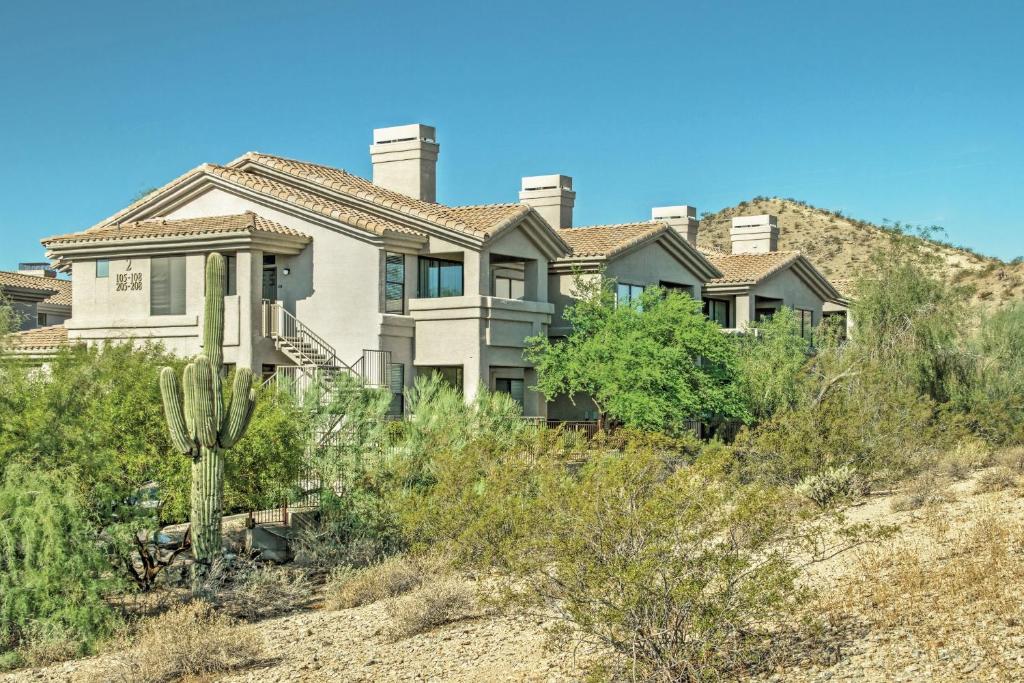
547, 182
412, 131
668, 212
765, 220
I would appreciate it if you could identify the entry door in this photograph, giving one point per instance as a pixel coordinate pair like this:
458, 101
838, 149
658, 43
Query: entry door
270, 282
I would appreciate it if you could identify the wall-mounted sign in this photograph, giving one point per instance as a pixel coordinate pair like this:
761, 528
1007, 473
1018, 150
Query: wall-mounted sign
129, 282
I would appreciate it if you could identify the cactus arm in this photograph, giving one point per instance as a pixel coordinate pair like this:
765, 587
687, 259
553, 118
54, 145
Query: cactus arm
171, 393
202, 396
243, 400
188, 381
213, 316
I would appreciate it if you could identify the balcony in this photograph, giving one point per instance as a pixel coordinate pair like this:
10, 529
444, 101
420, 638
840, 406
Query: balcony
452, 330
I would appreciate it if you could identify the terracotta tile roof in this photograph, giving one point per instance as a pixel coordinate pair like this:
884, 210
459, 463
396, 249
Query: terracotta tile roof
176, 227
482, 219
605, 240
314, 202
12, 279
63, 295
742, 269
39, 340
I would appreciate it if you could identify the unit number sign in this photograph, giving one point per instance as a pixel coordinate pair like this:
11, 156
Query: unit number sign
129, 282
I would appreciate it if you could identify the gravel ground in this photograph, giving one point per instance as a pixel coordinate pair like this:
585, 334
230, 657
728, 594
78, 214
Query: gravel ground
974, 644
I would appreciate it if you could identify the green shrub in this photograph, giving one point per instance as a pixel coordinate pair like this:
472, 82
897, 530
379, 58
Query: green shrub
53, 572
680, 573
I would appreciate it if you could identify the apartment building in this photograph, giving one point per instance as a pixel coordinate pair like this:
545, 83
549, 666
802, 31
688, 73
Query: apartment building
331, 272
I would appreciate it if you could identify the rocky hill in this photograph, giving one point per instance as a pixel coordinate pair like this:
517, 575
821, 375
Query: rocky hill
841, 246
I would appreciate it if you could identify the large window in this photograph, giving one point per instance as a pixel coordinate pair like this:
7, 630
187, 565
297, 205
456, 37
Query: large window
512, 387
626, 293
717, 310
394, 283
167, 285
806, 322
439, 278
508, 288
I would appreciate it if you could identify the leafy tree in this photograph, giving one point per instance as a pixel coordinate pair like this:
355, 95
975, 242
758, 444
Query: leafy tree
649, 364
53, 574
771, 359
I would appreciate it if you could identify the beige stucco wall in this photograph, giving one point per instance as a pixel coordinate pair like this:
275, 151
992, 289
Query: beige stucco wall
648, 265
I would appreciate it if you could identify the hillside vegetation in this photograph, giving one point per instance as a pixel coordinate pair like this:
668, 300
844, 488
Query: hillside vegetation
841, 246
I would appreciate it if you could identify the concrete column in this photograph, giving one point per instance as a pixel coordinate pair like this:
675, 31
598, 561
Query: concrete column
744, 312
535, 274
534, 404
476, 273
474, 373
248, 282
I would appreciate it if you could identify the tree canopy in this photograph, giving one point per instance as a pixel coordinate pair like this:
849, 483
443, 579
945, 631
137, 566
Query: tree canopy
651, 363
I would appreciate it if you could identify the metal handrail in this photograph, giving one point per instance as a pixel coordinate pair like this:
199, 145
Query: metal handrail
276, 317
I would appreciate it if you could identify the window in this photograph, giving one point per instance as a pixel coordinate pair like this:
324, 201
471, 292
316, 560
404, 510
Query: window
507, 288
627, 293
512, 387
440, 278
764, 313
396, 383
452, 374
231, 275
41, 319
675, 287
167, 285
103, 268
394, 283
717, 310
806, 323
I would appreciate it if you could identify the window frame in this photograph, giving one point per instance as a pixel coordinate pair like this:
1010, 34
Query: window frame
806, 326
388, 282
509, 280
631, 296
177, 305
521, 399
423, 276
709, 306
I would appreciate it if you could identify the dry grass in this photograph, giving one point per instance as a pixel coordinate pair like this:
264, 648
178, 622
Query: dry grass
996, 479
963, 598
967, 456
436, 603
267, 591
1012, 458
349, 588
190, 641
927, 488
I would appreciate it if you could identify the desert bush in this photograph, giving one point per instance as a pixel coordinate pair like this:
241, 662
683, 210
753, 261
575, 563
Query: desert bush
829, 486
996, 479
679, 572
1013, 458
190, 641
436, 603
926, 488
349, 587
53, 571
967, 455
266, 590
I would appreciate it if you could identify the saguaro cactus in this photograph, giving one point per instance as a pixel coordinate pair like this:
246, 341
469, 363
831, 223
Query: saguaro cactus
202, 427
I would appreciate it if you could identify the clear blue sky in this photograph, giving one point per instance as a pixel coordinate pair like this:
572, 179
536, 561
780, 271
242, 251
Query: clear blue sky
909, 110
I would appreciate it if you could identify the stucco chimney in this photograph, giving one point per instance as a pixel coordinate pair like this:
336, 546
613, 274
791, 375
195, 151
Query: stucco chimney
405, 160
755, 234
683, 218
551, 196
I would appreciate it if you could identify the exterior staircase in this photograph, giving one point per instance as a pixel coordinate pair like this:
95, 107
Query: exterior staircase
316, 366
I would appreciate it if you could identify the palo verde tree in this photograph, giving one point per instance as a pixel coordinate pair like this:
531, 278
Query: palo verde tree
651, 363
202, 426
